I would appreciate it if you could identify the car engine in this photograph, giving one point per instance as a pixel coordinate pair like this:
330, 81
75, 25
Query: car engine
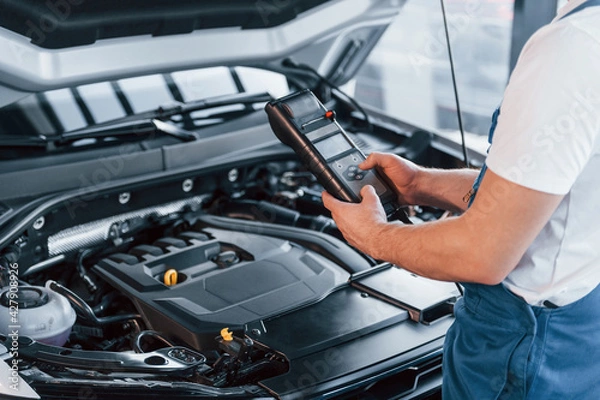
231, 282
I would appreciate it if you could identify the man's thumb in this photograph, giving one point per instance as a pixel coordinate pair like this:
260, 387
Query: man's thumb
368, 194
369, 163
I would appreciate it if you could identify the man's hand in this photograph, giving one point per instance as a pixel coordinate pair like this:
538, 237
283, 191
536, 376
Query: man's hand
441, 188
482, 245
403, 174
360, 223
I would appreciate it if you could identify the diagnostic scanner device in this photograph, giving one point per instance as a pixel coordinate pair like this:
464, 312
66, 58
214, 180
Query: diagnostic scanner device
300, 121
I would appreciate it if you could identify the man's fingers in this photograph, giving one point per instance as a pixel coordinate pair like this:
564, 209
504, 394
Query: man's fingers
370, 162
376, 159
329, 201
369, 195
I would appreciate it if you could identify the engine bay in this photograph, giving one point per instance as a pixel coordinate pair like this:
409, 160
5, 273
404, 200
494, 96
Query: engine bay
230, 282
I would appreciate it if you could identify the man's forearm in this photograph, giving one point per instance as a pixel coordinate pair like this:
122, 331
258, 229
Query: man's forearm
482, 245
443, 250
444, 189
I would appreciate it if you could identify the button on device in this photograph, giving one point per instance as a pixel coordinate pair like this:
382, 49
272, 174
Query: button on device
329, 114
353, 173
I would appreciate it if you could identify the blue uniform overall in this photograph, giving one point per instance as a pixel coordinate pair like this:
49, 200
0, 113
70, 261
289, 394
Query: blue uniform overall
500, 347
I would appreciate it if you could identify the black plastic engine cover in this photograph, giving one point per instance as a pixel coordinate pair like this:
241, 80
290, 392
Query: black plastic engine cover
272, 276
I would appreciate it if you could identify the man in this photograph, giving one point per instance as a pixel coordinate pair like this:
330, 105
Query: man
527, 248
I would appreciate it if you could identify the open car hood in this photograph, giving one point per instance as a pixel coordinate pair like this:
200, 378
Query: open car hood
60, 43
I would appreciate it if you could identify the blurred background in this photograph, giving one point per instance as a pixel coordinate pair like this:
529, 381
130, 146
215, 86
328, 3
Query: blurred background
408, 74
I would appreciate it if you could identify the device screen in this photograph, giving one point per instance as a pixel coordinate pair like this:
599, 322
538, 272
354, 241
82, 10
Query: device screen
332, 146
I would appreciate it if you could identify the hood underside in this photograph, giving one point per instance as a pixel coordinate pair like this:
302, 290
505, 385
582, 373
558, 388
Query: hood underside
68, 23
60, 43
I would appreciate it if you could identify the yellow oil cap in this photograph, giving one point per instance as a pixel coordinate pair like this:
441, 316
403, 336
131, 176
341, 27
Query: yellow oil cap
170, 277
226, 334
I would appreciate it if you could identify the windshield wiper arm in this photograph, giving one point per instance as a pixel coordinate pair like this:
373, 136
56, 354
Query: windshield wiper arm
140, 129
167, 111
23, 141
150, 122
144, 128
144, 124
212, 102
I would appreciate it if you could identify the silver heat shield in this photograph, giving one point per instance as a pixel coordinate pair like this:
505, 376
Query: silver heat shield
97, 232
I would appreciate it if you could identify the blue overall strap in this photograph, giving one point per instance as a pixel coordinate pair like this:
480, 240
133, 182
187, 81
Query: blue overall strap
477, 183
484, 167
589, 3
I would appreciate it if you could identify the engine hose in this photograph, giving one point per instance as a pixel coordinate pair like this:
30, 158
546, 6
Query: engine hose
9, 256
104, 303
84, 310
263, 211
89, 282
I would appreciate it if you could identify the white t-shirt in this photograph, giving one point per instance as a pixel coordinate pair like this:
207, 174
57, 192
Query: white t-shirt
548, 139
